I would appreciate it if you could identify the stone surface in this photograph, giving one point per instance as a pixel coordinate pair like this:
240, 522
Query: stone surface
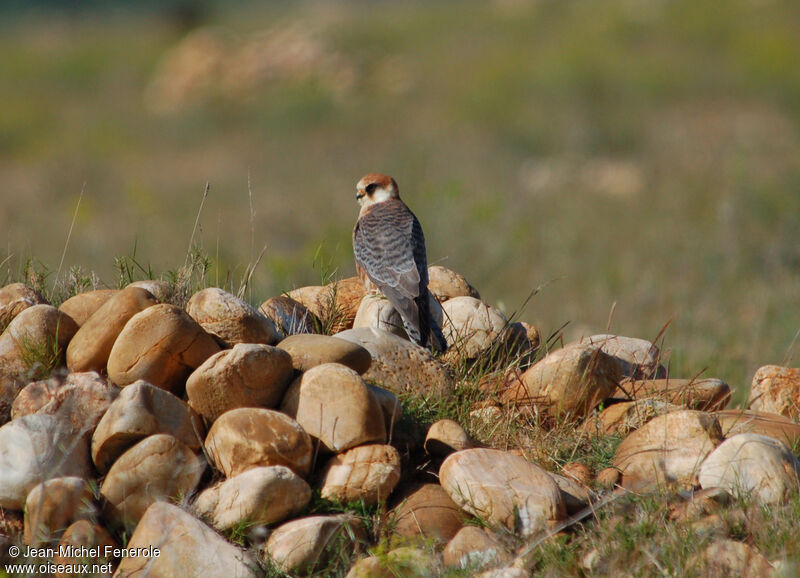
607, 478
55, 504
246, 438
161, 345
391, 407
470, 326
80, 398
376, 311
752, 464
736, 421
142, 410
301, 546
568, 381
249, 375
158, 468
310, 350
366, 473
399, 365
406, 562
626, 416
575, 496
669, 448
475, 549
426, 510
259, 496
334, 304
186, 547
334, 405
84, 534
14, 299
445, 437
35, 448
577, 472
290, 317
90, 347
81, 306
637, 358
502, 489
731, 559
776, 389
35, 339
701, 394
230, 319
444, 284
161, 290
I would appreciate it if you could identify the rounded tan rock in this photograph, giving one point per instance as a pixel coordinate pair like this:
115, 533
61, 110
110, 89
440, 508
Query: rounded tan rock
471, 326
161, 345
83, 305
607, 478
637, 358
35, 339
250, 437
15, 298
626, 416
85, 535
579, 472
736, 421
405, 561
668, 449
366, 474
230, 319
142, 410
776, 389
90, 347
55, 504
249, 375
709, 394
258, 496
445, 437
729, 558
310, 350
159, 468
445, 284
161, 290
475, 549
502, 489
289, 316
376, 311
426, 510
334, 304
334, 405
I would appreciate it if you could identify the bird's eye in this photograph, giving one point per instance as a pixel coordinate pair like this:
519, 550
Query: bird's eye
371, 188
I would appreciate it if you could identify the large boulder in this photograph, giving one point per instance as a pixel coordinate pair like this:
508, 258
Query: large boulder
230, 319
736, 421
334, 304
249, 375
365, 474
624, 417
14, 299
55, 504
83, 305
776, 389
444, 284
309, 350
637, 358
289, 316
426, 510
709, 394
471, 326
35, 340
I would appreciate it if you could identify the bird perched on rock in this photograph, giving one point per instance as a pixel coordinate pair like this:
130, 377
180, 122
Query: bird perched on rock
389, 248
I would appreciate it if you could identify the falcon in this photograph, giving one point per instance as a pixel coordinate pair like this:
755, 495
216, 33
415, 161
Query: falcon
389, 248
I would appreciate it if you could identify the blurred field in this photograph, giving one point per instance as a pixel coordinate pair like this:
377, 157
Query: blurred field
643, 154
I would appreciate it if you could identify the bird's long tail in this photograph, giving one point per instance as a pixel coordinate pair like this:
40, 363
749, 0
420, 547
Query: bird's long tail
431, 333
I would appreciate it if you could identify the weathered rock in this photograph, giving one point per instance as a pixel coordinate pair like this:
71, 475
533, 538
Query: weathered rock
736, 421
475, 549
11, 383
159, 468
752, 464
607, 478
142, 410
637, 358
399, 365
250, 437
83, 305
776, 389
669, 448
161, 345
470, 326
576, 497
186, 547
334, 304
390, 405
80, 398
445, 284
426, 510
290, 317
503, 489
578, 472
14, 299
301, 546
35, 448
366, 473
701, 394
161, 290
310, 350
230, 319
626, 416
90, 347
376, 311
55, 504
249, 375
569, 381
334, 405
84, 536
406, 562
445, 437
732, 559
35, 340
259, 496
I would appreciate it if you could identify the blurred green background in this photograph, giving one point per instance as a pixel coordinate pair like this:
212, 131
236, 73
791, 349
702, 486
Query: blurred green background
638, 153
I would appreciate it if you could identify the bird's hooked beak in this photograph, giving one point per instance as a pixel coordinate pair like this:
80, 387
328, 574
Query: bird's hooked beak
360, 194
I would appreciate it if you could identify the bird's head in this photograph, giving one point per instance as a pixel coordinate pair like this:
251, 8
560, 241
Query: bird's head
376, 188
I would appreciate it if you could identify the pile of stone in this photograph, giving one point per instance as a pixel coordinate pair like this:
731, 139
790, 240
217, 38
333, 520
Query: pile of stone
192, 430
